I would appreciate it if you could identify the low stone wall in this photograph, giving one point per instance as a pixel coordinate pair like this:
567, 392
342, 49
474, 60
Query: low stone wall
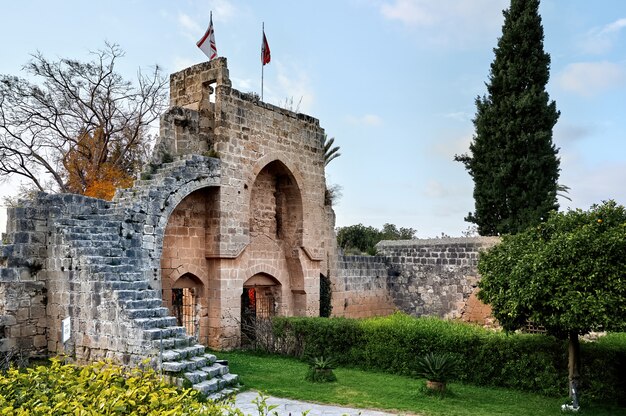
361, 288
433, 277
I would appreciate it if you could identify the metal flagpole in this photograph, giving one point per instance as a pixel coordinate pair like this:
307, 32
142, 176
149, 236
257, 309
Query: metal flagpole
262, 55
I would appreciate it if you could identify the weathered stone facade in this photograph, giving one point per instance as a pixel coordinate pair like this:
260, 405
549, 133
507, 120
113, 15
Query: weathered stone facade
434, 277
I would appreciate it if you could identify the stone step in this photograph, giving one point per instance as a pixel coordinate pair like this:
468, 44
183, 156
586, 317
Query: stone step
195, 376
143, 304
147, 313
78, 238
160, 322
215, 369
144, 294
178, 366
99, 250
114, 265
155, 334
175, 342
115, 277
207, 386
96, 242
185, 353
223, 394
230, 379
128, 284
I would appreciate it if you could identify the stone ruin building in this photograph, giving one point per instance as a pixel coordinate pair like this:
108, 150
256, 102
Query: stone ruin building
228, 222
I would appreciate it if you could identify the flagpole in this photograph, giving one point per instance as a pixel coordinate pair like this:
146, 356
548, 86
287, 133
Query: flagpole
262, 63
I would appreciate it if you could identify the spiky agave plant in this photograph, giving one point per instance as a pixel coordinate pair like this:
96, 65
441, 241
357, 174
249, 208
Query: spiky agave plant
440, 368
321, 370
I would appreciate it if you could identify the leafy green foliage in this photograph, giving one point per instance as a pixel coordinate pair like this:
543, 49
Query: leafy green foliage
363, 239
513, 161
321, 370
567, 274
521, 361
437, 367
98, 389
321, 363
330, 152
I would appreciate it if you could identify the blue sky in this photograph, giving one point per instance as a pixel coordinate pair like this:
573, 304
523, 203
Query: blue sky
394, 81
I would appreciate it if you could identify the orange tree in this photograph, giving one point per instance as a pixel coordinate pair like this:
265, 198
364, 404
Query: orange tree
82, 127
567, 274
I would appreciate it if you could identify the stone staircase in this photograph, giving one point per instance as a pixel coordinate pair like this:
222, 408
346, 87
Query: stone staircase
113, 258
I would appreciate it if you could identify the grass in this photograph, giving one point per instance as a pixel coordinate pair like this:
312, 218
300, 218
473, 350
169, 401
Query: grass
284, 377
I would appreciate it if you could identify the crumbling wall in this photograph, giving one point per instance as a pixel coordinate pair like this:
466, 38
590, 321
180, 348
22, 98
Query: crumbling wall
433, 277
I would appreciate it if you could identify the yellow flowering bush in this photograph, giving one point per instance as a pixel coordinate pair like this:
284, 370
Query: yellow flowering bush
98, 389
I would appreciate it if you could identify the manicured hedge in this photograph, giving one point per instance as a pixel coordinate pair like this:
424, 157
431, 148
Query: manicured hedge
536, 363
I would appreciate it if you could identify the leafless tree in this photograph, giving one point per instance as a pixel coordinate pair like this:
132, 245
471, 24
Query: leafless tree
45, 122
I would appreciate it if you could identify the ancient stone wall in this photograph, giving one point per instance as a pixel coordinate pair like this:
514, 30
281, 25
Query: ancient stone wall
23, 321
360, 289
434, 277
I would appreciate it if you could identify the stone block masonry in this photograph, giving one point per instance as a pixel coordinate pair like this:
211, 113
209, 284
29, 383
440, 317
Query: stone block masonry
431, 277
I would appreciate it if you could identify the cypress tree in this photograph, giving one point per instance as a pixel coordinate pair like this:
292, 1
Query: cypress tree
513, 160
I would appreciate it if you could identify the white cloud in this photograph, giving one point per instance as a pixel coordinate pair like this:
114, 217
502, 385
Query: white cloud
293, 84
182, 63
447, 147
601, 40
591, 78
242, 84
189, 24
371, 120
410, 12
450, 22
459, 116
224, 9
592, 185
565, 132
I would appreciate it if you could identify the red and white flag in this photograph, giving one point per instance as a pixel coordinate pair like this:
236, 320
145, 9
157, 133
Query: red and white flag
207, 43
265, 51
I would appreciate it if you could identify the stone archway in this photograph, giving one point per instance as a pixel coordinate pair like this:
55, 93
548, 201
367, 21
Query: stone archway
187, 276
276, 227
186, 301
260, 300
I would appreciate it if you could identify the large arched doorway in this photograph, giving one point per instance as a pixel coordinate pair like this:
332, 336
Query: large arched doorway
188, 277
276, 228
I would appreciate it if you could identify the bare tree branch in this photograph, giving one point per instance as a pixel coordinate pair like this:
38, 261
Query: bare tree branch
80, 117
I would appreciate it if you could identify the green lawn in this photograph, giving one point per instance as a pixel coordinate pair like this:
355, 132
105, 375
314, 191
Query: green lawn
284, 377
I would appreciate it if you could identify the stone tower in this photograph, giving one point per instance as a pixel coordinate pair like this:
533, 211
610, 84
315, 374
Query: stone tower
253, 244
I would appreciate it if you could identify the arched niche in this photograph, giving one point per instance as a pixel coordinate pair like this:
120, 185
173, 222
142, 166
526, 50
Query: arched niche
276, 209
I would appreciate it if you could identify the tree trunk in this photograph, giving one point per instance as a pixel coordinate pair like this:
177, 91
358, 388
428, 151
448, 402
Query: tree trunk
574, 367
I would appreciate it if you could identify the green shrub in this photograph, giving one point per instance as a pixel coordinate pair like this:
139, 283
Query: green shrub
437, 367
321, 371
97, 389
526, 362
